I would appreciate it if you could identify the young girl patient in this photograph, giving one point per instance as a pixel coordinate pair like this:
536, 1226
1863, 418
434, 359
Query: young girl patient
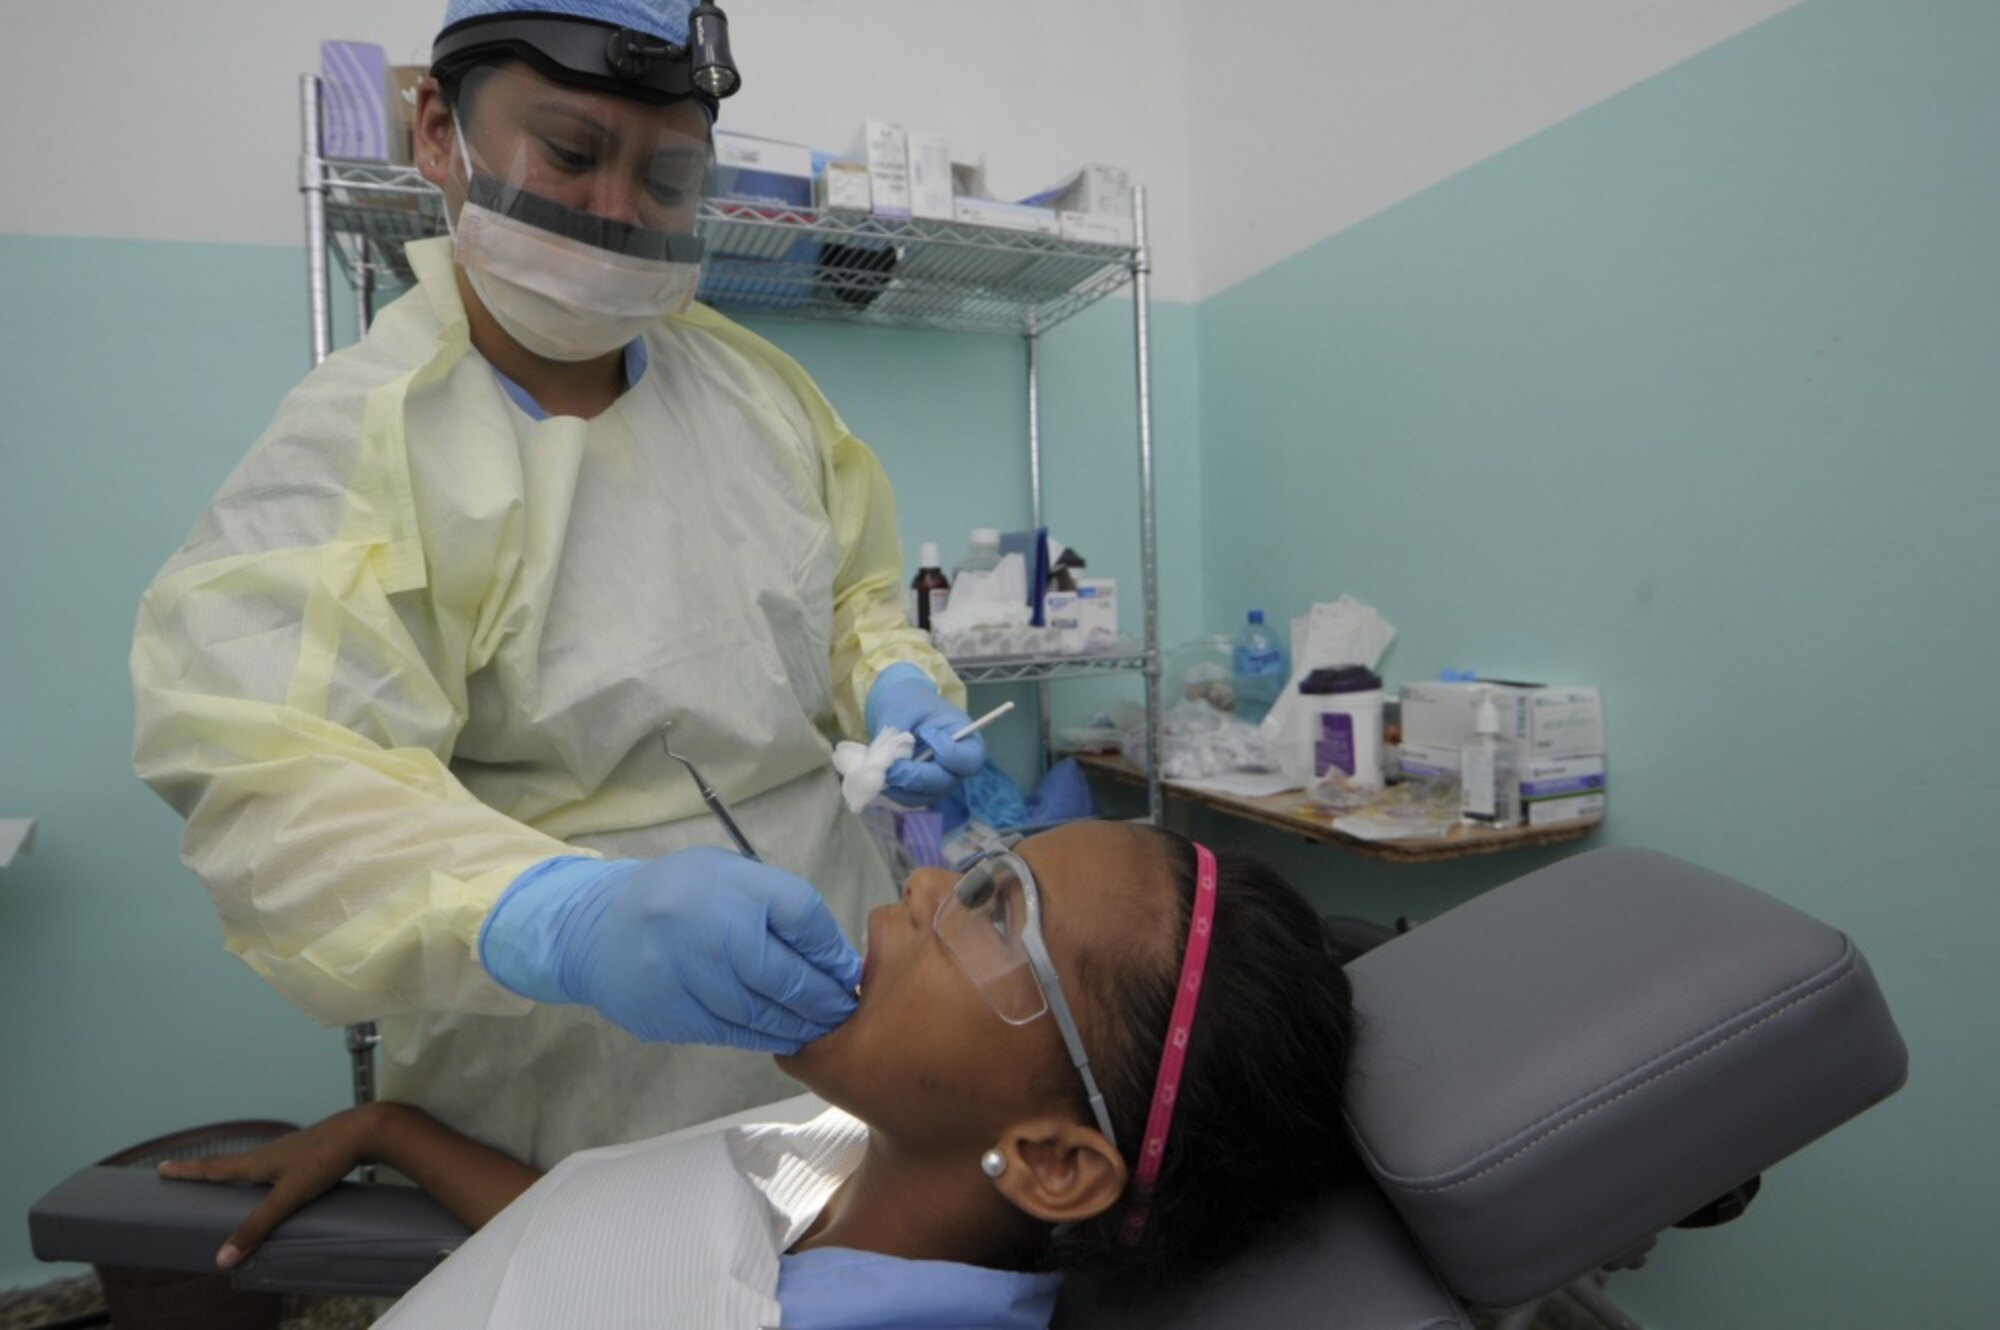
1104, 1051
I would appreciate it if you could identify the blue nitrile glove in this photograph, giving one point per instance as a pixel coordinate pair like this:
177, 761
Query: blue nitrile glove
702, 946
904, 698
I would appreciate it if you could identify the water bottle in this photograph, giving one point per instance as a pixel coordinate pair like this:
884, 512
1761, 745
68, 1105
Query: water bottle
982, 552
1257, 667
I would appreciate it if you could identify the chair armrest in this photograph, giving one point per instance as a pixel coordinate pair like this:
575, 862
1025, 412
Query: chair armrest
358, 1239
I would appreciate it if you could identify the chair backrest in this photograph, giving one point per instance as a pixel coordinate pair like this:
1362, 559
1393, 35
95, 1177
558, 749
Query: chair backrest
1551, 1074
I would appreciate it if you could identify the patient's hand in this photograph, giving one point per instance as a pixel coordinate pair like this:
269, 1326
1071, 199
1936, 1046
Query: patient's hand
298, 1166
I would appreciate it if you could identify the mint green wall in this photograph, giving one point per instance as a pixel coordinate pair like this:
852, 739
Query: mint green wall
1695, 397
133, 377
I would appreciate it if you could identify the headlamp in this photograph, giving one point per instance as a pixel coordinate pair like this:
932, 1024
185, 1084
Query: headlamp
591, 54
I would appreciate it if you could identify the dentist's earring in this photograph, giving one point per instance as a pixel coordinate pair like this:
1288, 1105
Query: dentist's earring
993, 1163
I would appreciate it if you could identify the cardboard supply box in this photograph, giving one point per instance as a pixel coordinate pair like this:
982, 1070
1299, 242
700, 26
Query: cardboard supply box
1007, 216
760, 170
1092, 229
354, 101
403, 80
1099, 191
1543, 721
930, 176
1550, 812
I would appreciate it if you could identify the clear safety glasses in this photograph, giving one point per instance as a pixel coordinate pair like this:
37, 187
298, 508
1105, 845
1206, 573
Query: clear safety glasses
621, 175
991, 923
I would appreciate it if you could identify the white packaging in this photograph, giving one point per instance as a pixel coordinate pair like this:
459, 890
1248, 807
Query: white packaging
1009, 216
1559, 722
1542, 721
1421, 762
747, 152
1092, 229
1343, 737
1577, 808
885, 147
1098, 190
1544, 779
843, 187
930, 176
1085, 619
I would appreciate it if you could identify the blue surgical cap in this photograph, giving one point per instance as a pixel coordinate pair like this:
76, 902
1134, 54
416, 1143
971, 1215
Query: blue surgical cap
666, 19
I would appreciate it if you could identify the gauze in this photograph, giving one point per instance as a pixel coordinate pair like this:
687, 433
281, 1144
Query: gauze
864, 768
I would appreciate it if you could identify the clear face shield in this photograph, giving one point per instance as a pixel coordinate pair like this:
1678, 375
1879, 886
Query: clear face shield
577, 227
991, 924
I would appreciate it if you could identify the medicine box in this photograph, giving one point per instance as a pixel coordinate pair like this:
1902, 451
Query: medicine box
1577, 808
1086, 618
842, 186
354, 101
1542, 721
885, 148
1560, 778
760, 170
930, 176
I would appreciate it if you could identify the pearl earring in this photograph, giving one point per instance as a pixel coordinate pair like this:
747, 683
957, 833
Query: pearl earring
993, 1163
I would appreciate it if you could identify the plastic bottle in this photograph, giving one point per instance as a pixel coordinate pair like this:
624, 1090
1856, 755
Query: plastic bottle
1488, 794
930, 589
982, 553
1257, 668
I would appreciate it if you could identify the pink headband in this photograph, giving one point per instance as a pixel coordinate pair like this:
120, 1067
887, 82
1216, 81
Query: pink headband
1166, 1087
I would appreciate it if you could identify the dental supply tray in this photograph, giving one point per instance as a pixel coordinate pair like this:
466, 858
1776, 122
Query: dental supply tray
775, 262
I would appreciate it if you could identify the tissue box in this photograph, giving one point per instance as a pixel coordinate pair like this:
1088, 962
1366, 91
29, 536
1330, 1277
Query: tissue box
930, 176
354, 101
1087, 617
760, 170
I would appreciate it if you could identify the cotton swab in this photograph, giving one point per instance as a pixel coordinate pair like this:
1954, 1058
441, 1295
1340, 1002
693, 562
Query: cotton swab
924, 753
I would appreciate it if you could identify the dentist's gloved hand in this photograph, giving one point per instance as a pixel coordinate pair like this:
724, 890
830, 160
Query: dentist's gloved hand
904, 698
702, 946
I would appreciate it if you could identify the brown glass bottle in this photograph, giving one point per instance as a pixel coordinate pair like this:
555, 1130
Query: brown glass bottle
929, 590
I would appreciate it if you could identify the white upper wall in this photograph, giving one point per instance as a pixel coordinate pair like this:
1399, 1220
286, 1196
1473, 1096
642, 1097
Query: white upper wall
1348, 106
1317, 115
198, 136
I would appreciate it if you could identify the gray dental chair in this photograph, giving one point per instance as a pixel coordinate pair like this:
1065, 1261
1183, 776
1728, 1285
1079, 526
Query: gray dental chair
1549, 1076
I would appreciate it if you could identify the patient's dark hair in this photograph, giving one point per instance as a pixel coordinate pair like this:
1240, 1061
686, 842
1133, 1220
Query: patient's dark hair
1257, 1132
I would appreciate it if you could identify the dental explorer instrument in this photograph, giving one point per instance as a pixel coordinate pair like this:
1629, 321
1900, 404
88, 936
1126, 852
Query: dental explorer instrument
712, 799
967, 731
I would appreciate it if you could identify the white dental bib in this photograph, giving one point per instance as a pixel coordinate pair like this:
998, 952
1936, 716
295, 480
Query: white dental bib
682, 1230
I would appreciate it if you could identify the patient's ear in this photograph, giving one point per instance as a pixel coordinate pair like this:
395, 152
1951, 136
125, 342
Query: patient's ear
1059, 1171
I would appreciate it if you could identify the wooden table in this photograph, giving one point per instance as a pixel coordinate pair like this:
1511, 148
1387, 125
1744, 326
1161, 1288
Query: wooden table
1292, 812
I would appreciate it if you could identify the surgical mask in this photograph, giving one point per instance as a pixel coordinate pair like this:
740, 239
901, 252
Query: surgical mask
563, 280
561, 298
